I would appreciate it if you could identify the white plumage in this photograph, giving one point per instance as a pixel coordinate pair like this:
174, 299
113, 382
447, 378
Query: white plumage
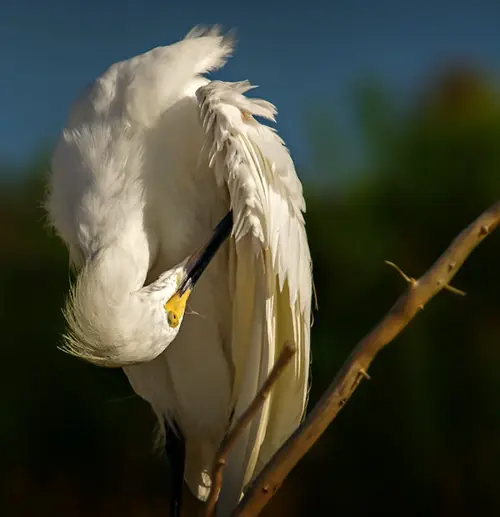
153, 156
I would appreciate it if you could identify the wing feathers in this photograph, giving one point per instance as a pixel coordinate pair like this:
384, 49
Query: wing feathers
271, 266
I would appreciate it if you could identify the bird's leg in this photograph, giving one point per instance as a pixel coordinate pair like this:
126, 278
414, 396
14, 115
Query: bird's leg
176, 452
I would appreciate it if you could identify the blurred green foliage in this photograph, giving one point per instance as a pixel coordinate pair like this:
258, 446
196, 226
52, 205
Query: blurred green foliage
421, 438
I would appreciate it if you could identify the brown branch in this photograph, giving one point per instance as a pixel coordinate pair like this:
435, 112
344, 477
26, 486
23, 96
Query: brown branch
418, 293
283, 359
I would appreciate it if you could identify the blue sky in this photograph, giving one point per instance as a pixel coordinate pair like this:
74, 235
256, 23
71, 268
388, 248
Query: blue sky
298, 53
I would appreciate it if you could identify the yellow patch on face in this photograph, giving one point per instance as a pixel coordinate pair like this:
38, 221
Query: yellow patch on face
175, 308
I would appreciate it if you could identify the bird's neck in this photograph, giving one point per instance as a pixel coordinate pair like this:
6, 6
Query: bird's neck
118, 270
110, 323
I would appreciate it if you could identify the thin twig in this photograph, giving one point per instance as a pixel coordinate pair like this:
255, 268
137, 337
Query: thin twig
244, 420
418, 293
411, 280
408, 279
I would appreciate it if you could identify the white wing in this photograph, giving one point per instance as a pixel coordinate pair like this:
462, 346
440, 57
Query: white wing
270, 271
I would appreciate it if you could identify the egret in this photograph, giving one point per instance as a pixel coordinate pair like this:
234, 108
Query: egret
153, 157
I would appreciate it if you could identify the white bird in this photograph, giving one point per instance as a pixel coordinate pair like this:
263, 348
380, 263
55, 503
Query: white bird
153, 156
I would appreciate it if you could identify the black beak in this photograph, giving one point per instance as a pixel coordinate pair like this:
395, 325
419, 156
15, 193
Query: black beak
198, 262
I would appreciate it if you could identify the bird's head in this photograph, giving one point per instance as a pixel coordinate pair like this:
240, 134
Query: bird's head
175, 286
190, 271
111, 326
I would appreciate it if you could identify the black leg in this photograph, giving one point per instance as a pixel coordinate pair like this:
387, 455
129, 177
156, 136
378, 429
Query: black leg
176, 453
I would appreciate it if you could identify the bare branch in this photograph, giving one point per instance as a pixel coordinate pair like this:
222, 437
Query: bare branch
418, 293
284, 358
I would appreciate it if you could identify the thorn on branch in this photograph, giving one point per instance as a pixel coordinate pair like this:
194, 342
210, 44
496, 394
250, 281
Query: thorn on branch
364, 373
452, 289
408, 279
484, 230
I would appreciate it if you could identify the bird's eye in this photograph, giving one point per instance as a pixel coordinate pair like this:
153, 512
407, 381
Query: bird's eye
173, 319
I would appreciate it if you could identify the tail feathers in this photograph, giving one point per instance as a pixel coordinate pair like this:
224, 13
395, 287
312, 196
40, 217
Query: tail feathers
200, 457
239, 464
253, 356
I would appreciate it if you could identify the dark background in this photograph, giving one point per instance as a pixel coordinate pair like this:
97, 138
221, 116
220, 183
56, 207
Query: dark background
392, 172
